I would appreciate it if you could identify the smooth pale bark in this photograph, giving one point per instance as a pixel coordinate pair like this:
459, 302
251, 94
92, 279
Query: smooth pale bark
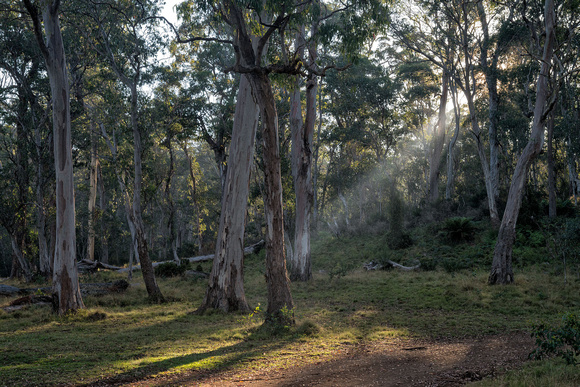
66, 289
449, 188
501, 270
225, 289
302, 138
437, 144
92, 195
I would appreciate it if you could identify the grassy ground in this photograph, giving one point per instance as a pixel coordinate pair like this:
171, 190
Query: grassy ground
122, 337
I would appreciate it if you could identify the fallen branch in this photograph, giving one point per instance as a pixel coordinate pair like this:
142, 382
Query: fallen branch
85, 266
253, 249
391, 264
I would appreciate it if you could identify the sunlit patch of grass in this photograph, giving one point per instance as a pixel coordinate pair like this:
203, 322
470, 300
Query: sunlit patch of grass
548, 373
123, 336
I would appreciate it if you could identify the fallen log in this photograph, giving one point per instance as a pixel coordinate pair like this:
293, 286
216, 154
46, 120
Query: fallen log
389, 265
86, 266
9, 291
253, 249
21, 302
97, 289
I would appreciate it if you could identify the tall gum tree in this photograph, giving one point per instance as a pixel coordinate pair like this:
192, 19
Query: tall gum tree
119, 41
501, 269
66, 289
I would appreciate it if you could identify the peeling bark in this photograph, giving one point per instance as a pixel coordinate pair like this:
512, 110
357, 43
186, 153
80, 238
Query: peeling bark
225, 289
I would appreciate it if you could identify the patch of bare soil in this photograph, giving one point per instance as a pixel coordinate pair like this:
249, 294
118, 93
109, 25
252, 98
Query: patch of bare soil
452, 362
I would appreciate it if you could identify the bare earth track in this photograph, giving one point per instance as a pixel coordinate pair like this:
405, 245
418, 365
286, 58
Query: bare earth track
452, 362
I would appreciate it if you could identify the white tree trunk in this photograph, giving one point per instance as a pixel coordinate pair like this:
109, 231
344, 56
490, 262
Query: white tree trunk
225, 289
501, 269
66, 289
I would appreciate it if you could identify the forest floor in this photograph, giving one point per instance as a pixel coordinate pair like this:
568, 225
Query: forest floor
401, 362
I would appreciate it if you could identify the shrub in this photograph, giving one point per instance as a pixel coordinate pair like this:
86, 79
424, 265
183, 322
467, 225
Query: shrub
562, 341
458, 229
171, 269
397, 240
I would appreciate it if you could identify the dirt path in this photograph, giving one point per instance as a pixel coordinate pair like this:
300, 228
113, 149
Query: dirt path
406, 363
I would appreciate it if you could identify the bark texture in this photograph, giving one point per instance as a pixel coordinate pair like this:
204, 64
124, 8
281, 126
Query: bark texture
66, 290
225, 289
501, 270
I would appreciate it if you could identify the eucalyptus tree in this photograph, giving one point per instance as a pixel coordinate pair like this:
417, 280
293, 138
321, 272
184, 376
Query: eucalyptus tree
474, 46
25, 115
66, 289
124, 36
546, 46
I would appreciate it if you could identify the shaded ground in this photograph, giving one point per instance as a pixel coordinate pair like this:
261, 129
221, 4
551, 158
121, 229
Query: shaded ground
452, 362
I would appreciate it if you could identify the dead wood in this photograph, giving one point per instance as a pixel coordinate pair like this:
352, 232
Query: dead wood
388, 264
253, 249
86, 266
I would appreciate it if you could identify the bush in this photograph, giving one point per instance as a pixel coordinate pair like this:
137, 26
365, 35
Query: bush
458, 229
397, 240
171, 269
563, 341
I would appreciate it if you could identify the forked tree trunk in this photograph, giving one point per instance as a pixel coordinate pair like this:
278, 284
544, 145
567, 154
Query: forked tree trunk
66, 290
437, 144
225, 289
501, 269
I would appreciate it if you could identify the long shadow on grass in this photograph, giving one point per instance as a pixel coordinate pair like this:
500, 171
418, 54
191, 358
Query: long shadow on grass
255, 346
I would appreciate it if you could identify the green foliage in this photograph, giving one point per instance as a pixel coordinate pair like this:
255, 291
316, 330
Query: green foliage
171, 269
397, 240
458, 229
562, 341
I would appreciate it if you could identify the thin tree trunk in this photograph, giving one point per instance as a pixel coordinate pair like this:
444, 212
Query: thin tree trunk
66, 289
194, 196
43, 250
136, 212
437, 144
225, 289
92, 195
551, 171
23, 263
451, 148
501, 270
102, 207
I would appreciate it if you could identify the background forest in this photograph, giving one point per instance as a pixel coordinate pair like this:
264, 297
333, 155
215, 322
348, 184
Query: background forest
418, 112
437, 140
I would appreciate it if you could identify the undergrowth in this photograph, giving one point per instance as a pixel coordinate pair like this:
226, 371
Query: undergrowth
123, 337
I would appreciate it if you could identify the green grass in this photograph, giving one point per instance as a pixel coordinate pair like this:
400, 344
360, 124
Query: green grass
122, 337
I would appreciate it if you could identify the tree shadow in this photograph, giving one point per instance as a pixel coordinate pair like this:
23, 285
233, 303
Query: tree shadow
259, 343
